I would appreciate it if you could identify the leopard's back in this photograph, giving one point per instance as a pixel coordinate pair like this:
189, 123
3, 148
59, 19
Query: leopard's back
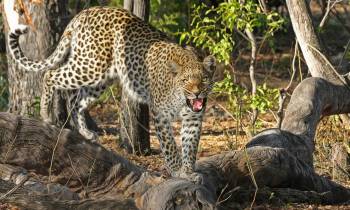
109, 43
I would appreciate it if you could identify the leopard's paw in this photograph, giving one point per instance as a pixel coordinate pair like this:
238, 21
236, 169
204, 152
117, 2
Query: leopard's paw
90, 135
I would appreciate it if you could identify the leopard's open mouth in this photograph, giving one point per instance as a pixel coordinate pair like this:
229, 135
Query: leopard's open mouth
196, 104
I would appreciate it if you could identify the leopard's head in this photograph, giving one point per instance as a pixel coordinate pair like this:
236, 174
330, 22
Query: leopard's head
195, 80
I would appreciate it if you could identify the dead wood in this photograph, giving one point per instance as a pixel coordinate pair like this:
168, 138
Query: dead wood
24, 198
340, 162
279, 158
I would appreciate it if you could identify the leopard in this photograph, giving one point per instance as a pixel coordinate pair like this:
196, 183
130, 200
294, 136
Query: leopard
101, 45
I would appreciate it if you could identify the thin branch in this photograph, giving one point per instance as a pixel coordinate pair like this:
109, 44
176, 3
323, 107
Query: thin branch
283, 91
330, 5
281, 102
252, 70
77, 173
296, 51
263, 6
90, 172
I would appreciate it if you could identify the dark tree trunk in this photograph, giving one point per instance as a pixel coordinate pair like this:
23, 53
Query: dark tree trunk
135, 116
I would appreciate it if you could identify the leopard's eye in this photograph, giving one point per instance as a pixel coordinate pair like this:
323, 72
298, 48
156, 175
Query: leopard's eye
184, 80
205, 79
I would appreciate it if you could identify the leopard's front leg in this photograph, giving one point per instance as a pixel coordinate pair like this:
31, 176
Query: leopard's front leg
167, 142
190, 135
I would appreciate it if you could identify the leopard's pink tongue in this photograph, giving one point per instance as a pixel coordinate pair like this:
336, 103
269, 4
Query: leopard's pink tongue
197, 104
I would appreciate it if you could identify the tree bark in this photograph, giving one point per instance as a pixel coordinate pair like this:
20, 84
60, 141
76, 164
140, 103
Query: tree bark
140, 8
340, 161
135, 116
315, 58
309, 43
49, 21
24, 87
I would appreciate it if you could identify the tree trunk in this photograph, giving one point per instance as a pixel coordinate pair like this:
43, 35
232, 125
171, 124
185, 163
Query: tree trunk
49, 21
135, 116
140, 8
24, 87
309, 43
316, 60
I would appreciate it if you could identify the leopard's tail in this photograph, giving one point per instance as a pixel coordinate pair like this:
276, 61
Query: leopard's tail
53, 61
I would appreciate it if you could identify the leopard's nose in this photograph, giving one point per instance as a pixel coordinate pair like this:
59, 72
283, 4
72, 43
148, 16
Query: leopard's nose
196, 91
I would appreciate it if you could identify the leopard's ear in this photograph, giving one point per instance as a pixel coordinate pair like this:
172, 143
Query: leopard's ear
192, 49
209, 64
173, 67
219, 73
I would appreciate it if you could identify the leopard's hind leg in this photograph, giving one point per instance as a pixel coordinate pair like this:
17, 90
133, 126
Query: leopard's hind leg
53, 80
79, 103
65, 78
62, 78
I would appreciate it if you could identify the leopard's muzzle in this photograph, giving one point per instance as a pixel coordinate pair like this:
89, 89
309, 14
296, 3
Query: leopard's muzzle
196, 104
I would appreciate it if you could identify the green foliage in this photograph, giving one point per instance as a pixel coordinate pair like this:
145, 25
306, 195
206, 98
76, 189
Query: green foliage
215, 28
235, 94
170, 16
238, 99
264, 99
113, 92
167, 16
116, 3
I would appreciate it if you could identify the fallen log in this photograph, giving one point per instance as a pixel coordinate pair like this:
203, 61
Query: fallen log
24, 198
280, 159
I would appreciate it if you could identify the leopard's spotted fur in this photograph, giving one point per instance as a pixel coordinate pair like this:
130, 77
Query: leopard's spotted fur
101, 44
